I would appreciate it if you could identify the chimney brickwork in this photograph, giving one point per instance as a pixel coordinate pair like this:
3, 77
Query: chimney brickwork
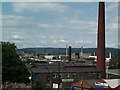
101, 40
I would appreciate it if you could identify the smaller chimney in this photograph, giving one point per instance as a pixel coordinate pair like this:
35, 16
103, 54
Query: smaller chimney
110, 55
81, 50
66, 50
69, 53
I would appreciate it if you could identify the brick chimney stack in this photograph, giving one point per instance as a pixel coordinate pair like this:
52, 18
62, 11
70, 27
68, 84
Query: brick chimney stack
101, 40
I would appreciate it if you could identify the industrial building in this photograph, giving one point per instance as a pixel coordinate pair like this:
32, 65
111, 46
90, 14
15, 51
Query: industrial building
63, 74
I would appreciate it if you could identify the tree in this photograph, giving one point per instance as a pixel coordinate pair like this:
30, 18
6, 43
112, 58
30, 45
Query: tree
13, 69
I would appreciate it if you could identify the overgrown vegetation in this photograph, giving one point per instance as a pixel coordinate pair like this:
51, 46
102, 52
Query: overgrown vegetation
13, 69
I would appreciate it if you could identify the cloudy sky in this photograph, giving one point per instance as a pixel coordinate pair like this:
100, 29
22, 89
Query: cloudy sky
46, 24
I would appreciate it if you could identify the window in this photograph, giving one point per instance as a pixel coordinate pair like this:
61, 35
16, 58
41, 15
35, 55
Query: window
54, 75
67, 75
36, 77
60, 75
74, 74
48, 78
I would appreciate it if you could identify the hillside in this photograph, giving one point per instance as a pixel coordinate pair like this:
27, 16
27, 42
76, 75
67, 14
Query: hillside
114, 51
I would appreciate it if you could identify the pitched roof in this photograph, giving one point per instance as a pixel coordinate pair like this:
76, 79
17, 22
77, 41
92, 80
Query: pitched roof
82, 83
113, 83
90, 84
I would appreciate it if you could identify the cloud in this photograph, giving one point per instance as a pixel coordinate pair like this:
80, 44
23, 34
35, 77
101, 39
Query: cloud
112, 25
83, 24
37, 7
115, 26
50, 0
53, 31
112, 45
14, 21
112, 6
46, 25
84, 42
119, 45
60, 26
63, 41
72, 24
16, 37
59, 0
0, 21
52, 41
63, 24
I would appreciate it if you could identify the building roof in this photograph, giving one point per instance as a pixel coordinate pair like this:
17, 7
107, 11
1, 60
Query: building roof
113, 83
114, 71
63, 68
94, 83
82, 83
91, 81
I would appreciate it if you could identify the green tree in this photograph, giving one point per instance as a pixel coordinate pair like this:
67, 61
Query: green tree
13, 69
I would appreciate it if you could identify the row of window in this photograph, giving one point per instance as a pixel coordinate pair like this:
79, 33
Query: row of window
72, 75
61, 75
55, 75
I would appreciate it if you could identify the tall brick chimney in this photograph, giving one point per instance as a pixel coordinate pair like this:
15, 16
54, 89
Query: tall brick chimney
101, 40
69, 53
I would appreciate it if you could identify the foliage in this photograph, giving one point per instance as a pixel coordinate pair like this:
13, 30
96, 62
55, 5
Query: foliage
13, 69
29, 61
37, 86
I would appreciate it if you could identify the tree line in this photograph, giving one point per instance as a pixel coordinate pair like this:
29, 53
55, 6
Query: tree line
13, 69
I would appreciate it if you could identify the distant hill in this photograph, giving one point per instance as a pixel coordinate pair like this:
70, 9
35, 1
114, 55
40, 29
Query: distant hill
63, 50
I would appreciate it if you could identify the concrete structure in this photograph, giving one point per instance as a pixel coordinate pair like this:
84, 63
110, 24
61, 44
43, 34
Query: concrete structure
101, 40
